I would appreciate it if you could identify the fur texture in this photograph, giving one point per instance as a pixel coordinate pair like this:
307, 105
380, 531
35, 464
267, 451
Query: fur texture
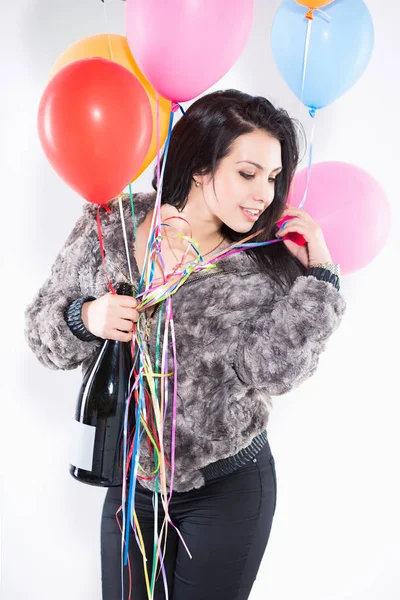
240, 339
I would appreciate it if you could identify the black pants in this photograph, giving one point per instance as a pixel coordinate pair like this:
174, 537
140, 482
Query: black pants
225, 524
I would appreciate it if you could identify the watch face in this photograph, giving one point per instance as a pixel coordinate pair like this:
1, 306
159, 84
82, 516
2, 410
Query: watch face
333, 268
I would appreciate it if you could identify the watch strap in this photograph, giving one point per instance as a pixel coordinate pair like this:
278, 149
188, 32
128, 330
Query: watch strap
335, 269
73, 318
324, 274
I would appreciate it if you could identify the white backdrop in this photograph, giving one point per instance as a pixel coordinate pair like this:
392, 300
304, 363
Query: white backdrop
335, 439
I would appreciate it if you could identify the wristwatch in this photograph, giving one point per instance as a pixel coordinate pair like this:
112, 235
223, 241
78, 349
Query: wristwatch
326, 272
335, 269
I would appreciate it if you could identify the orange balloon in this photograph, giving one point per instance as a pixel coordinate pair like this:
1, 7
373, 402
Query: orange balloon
314, 3
115, 47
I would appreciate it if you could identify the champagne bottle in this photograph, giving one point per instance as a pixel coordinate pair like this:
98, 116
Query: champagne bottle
97, 441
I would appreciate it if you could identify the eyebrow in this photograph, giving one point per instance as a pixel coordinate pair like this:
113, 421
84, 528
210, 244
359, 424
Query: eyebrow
257, 165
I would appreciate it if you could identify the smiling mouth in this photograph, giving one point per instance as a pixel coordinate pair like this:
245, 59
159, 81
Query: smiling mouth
252, 212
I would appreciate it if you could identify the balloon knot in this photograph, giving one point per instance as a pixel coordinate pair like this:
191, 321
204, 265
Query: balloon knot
312, 112
309, 15
175, 106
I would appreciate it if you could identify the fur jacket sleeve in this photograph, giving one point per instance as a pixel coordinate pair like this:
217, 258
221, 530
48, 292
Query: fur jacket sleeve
46, 330
280, 348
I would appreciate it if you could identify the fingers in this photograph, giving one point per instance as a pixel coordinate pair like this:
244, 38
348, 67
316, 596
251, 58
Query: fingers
120, 336
292, 210
113, 316
128, 313
293, 226
122, 300
122, 324
296, 213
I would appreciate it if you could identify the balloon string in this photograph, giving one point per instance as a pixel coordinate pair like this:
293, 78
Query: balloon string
148, 270
169, 324
124, 235
175, 106
165, 361
305, 59
310, 14
149, 275
324, 14
130, 494
148, 266
161, 463
127, 408
129, 564
100, 236
131, 498
124, 541
312, 112
171, 283
160, 467
310, 160
130, 190
156, 237
145, 369
156, 544
158, 136
174, 398
108, 30
133, 212
195, 263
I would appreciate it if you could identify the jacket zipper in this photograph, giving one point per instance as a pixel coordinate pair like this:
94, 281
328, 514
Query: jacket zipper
190, 280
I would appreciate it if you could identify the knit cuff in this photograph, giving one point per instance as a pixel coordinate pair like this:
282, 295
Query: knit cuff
73, 318
324, 275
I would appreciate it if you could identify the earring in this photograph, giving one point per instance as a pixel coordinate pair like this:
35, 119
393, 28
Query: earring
197, 183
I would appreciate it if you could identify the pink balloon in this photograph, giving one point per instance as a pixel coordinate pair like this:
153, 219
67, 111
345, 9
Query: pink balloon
185, 46
352, 209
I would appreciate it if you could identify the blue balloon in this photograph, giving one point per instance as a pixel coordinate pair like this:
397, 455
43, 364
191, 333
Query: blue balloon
339, 49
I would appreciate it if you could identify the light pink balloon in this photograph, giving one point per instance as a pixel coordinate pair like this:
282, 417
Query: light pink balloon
185, 46
352, 209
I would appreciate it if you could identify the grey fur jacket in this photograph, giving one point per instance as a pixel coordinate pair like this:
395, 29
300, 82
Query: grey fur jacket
240, 338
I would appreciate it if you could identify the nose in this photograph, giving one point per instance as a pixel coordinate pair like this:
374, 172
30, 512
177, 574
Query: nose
263, 197
264, 193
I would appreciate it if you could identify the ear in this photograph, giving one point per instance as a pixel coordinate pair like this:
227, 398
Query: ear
201, 179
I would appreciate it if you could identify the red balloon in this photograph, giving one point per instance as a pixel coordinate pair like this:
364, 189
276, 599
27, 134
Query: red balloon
95, 127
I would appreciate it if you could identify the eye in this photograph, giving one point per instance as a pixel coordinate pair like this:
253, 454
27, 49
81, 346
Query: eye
251, 176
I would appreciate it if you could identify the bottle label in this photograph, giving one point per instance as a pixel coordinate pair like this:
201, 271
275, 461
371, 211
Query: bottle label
82, 445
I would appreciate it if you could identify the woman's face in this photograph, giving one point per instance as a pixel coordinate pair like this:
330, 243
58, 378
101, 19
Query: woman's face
244, 181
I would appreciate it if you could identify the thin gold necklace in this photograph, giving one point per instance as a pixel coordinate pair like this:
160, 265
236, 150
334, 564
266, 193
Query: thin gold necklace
207, 253
128, 279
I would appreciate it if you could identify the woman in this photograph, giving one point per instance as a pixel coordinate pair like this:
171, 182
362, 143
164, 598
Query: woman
251, 329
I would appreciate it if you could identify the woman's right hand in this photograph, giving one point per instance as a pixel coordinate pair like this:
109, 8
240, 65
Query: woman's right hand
111, 316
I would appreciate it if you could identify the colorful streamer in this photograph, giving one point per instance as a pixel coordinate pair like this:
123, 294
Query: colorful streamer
148, 388
151, 403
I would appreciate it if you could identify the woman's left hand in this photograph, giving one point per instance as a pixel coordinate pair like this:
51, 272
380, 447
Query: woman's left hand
315, 251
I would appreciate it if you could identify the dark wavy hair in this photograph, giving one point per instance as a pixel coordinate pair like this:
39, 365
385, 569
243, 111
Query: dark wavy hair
199, 142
